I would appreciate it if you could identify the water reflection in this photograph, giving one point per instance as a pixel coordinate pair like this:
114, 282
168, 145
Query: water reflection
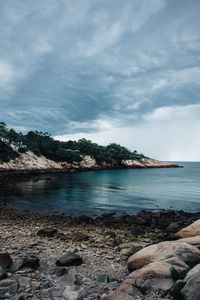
95, 192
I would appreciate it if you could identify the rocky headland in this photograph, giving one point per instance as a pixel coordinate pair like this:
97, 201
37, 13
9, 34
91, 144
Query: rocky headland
28, 162
151, 255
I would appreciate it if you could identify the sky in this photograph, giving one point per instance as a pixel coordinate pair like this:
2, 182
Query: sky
124, 71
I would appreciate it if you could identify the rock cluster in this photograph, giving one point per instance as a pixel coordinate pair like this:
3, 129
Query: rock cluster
172, 267
30, 162
55, 256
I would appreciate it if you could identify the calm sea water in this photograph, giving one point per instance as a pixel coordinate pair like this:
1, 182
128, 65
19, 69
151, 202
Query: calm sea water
95, 192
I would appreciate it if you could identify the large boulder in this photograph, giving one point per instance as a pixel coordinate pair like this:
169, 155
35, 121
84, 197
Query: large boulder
165, 250
156, 276
189, 231
190, 291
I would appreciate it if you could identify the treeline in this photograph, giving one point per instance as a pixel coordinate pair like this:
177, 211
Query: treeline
13, 143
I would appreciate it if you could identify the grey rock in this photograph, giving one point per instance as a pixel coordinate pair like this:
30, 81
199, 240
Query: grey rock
191, 289
30, 261
74, 292
69, 259
47, 232
118, 295
79, 237
8, 286
102, 279
3, 273
58, 271
5, 260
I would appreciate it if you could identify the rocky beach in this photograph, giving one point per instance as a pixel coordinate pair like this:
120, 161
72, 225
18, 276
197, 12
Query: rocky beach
111, 257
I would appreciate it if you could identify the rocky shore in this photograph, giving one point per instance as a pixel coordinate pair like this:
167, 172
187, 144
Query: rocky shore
29, 162
54, 256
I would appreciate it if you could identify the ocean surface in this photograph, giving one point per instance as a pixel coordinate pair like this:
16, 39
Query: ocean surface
97, 192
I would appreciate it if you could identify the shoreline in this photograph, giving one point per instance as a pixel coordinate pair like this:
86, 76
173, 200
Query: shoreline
104, 243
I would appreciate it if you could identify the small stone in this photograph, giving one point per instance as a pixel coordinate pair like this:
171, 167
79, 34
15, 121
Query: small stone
47, 232
8, 285
3, 273
69, 259
5, 260
79, 237
130, 251
30, 262
102, 279
74, 293
58, 271
24, 281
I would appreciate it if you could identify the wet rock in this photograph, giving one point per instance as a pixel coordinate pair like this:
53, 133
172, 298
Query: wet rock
74, 292
5, 260
144, 217
3, 273
47, 232
79, 237
69, 259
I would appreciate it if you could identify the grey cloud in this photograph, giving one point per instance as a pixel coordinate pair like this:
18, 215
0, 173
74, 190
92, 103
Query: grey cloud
77, 62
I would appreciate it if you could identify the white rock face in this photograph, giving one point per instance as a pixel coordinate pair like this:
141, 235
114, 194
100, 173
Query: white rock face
30, 161
146, 163
88, 162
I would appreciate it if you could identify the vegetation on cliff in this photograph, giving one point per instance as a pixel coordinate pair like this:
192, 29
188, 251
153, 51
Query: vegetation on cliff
13, 143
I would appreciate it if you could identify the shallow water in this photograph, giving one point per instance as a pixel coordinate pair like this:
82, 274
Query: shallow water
94, 192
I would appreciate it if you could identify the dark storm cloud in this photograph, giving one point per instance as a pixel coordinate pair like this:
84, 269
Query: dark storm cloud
67, 65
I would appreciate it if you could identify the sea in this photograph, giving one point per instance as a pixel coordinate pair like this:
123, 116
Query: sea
124, 191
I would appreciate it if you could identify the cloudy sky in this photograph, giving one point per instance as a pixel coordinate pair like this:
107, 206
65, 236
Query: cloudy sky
109, 70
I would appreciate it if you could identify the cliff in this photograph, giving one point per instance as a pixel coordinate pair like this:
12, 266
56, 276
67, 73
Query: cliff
31, 162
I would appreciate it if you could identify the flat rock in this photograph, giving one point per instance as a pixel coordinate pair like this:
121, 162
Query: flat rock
5, 260
118, 295
47, 232
79, 237
69, 259
8, 285
74, 292
189, 231
58, 271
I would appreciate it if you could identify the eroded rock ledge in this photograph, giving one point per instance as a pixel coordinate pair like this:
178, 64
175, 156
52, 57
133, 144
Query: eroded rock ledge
31, 162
